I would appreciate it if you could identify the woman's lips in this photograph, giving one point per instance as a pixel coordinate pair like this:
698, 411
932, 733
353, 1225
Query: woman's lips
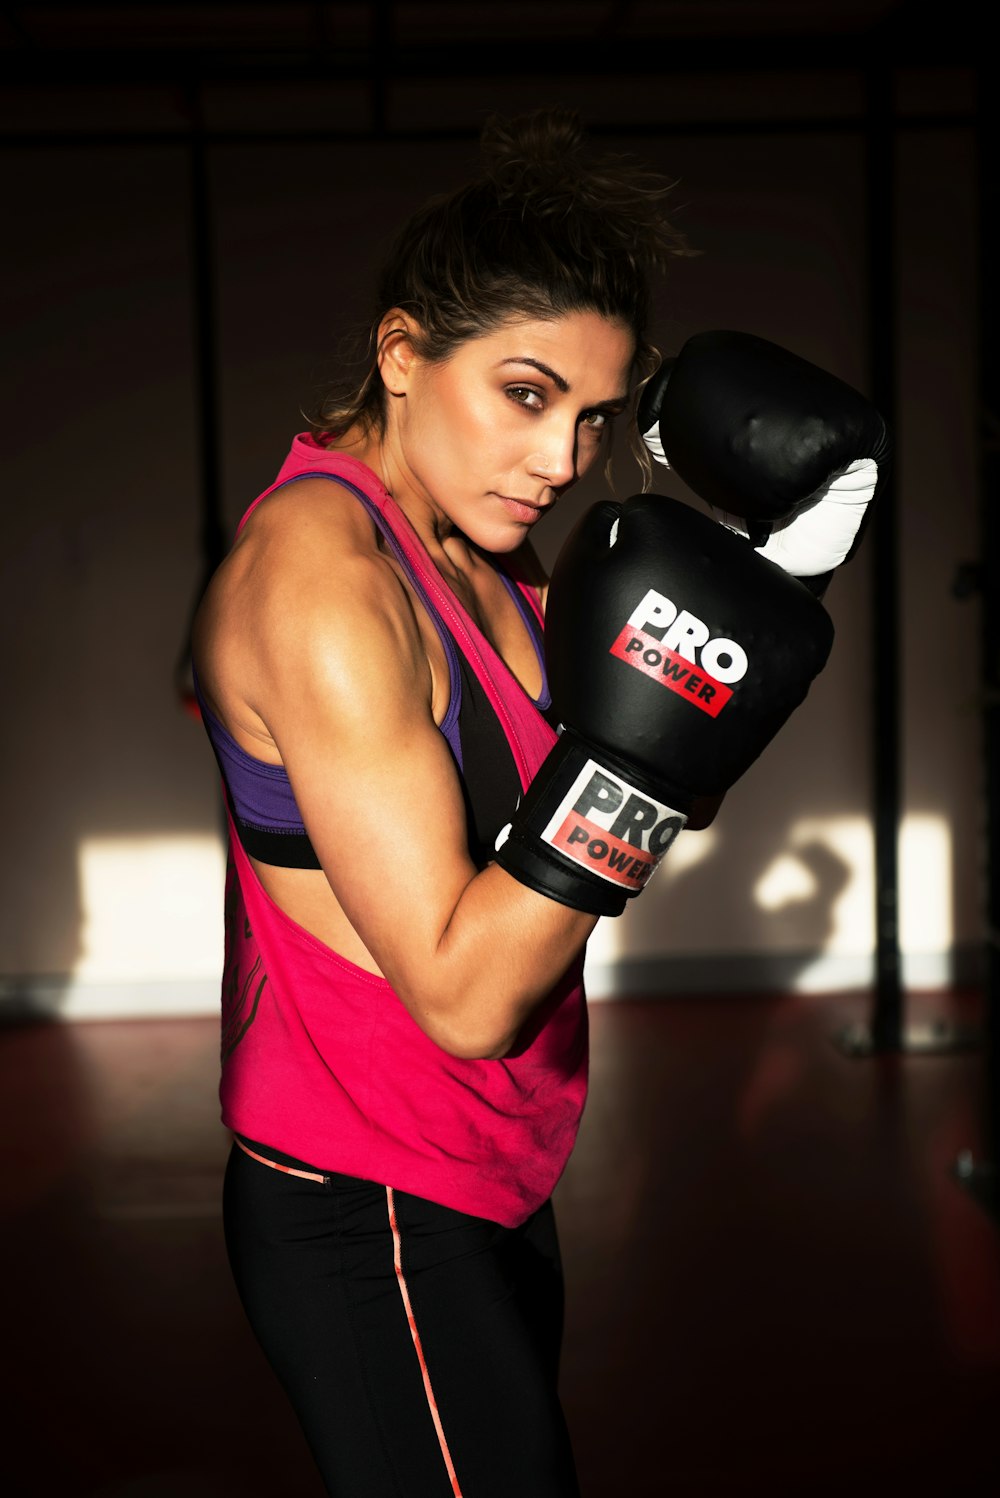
521, 509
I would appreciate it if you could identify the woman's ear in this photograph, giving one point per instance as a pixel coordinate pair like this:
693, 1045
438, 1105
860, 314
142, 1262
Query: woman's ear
396, 350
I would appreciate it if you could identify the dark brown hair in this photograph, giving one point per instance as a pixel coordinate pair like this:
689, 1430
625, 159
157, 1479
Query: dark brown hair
545, 229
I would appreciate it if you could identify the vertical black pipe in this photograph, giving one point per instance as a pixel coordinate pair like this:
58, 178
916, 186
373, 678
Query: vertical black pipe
989, 478
206, 386
887, 1013
205, 345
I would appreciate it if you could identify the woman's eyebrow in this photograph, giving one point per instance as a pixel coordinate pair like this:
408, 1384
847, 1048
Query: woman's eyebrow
544, 369
560, 383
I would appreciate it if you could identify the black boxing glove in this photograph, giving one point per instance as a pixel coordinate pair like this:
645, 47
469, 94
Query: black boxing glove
674, 655
785, 454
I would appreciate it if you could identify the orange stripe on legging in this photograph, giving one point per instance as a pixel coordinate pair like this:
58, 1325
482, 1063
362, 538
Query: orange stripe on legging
397, 1259
303, 1175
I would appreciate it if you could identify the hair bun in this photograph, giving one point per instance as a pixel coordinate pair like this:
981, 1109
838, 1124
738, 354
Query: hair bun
531, 149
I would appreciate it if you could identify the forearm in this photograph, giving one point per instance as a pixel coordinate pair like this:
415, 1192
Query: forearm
497, 958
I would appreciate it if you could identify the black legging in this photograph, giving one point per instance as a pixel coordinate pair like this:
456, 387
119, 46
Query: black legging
419, 1346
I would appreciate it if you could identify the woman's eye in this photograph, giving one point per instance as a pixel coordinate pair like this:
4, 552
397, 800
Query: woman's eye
525, 396
596, 420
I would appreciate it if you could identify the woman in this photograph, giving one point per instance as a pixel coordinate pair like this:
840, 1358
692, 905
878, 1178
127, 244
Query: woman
404, 1024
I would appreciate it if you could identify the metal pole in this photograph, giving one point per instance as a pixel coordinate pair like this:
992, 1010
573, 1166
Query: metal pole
205, 343
211, 530
887, 1014
886, 1032
980, 1174
885, 1029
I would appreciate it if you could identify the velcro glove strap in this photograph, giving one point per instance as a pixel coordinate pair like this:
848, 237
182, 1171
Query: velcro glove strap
590, 830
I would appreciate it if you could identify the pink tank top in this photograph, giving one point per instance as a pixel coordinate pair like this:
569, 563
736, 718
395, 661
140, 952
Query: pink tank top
321, 1060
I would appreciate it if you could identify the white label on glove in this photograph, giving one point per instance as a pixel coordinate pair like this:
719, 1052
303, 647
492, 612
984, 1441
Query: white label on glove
605, 825
668, 643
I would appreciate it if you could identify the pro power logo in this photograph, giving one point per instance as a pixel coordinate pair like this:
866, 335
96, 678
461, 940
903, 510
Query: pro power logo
673, 646
606, 826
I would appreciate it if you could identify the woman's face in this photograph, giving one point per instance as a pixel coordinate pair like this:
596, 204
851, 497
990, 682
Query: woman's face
490, 438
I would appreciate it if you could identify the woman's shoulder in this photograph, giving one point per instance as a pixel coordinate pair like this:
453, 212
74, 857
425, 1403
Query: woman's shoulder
305, 511
306, 567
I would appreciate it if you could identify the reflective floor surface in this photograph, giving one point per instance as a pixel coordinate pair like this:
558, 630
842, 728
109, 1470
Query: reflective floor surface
776, 1283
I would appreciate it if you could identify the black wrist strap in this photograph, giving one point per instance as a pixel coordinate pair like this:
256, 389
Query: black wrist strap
590, 830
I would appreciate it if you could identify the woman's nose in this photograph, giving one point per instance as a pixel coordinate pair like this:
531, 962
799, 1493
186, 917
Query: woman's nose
557, 463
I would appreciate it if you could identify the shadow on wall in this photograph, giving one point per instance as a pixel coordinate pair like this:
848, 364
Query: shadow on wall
774, 920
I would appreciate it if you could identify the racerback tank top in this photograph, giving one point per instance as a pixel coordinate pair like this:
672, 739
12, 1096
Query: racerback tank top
320, 1058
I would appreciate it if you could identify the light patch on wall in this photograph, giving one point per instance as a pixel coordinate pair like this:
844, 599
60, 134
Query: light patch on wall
841, 852
786, 880
925, 885
152, 908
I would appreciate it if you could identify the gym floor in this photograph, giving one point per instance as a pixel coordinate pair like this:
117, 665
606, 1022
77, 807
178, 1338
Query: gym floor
776, 1282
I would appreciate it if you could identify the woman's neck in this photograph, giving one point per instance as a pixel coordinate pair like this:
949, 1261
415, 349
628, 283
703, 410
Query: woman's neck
443, 540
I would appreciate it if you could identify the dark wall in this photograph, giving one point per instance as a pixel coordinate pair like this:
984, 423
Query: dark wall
100, 482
